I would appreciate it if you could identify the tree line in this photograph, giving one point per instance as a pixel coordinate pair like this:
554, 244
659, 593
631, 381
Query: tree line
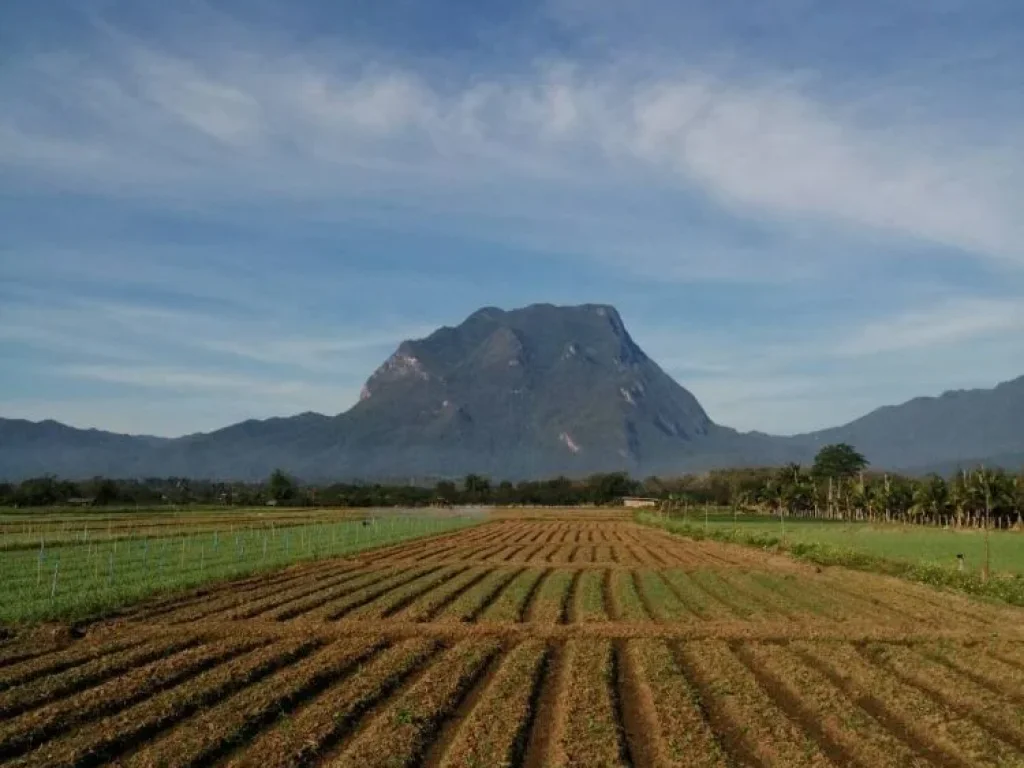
838, 486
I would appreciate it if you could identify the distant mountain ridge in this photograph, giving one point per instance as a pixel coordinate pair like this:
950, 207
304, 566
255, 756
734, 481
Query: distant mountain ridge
525, 393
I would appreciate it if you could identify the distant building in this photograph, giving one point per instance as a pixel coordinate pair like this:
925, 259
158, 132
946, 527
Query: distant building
272, 503
80, 502
638, 501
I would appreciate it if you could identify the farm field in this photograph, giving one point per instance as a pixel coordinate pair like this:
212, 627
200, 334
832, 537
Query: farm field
915, 544
98, 570
56, 526
529, 642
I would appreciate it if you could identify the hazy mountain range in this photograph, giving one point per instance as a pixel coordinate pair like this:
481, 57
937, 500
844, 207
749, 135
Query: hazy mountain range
533, 392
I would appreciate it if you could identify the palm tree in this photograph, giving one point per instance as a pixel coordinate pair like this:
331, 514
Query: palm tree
930, 499
960, 497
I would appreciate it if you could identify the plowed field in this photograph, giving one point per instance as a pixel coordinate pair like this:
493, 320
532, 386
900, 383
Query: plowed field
530, 643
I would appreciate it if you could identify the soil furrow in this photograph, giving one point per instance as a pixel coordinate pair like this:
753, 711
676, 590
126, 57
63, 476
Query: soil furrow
131, 728
921, 727
218, 731
324, 722
22, 733
69, 682
413, 719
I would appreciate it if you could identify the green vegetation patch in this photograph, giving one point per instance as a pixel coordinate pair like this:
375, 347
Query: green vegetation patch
917, 554
75, 581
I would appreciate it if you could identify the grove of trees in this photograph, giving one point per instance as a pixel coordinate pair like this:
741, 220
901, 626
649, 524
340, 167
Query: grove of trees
838, 486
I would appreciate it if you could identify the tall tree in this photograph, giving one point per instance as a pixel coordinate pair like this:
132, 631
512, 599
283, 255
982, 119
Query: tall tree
476, 487
281, 487
838, 461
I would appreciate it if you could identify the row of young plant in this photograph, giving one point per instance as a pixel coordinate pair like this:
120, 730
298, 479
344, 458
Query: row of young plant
73, 581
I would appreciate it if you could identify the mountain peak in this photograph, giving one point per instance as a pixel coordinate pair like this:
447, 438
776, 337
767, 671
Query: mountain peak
561, 386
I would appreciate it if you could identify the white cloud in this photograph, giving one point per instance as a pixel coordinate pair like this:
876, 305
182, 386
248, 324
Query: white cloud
316, 354
945, 324
311, 128
184, 379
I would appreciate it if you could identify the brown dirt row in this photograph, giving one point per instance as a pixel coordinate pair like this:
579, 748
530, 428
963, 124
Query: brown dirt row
107, 740
55, 661
495, 731
287, 578
551, 599
267, 598
669, 713
404, 730
458, 546
492, 551
765, 631
590, 731
539, 559
438, 542
229, 606
309, 591
63, 684
931, 729
435, 601
475, 601
14, 650
165, 606
334, 605
320, 724
748, 722
291, 575
19, 734
1002, 674
538, 534
634, 710
990, 711
541, 744
845, 733
392, 602
512, 603
217, 731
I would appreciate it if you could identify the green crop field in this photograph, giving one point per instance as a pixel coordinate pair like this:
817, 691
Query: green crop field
67, 571
915, 544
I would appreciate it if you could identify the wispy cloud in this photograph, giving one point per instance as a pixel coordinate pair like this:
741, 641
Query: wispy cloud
195, 354
944, 324
178, 380
257, 124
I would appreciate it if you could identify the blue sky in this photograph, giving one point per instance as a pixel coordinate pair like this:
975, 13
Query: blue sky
212, 211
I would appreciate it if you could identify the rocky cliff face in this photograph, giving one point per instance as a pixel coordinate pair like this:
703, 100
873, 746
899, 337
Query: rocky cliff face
542, 389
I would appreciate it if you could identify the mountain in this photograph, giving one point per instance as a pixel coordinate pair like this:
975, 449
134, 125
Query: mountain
960, 427
532, 392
